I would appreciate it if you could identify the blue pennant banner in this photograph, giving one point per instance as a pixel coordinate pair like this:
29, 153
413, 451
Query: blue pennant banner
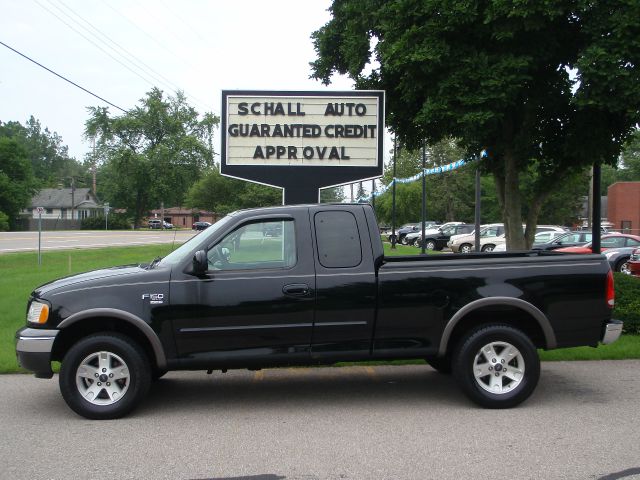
427, 171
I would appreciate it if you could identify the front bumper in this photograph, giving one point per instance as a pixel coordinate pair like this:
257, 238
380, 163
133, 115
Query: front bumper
33, 350
612, 332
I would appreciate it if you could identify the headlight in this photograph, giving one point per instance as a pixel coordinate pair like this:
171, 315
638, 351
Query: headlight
38, 313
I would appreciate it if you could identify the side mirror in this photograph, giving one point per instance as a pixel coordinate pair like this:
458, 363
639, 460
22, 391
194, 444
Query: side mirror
200, 263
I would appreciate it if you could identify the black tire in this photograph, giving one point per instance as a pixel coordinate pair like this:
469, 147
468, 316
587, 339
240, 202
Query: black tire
466, 248
110, 355
440, 364
488, 247
429, 244
623, 266
402, 239
514, 388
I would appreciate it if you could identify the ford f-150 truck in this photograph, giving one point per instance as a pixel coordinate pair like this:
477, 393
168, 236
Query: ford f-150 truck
233, 297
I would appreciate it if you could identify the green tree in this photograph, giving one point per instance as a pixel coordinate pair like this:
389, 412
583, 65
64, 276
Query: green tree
17, 184
49, 157
332, 195
545, 87
220, 194
151, 154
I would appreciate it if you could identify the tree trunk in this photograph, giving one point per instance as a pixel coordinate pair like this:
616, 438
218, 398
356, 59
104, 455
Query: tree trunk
512, 206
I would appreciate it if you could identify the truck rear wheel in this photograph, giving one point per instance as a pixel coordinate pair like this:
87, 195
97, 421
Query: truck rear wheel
104, 376
497, 366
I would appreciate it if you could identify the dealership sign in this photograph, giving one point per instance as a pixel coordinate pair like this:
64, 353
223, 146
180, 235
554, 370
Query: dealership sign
302, 141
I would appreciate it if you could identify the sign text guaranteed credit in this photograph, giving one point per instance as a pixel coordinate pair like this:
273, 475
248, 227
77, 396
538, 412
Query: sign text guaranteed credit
302, 130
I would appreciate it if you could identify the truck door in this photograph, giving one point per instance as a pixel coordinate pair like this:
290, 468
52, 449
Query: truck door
256, 301
345, 284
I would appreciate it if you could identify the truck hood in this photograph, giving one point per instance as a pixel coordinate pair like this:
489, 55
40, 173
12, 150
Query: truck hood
100, 277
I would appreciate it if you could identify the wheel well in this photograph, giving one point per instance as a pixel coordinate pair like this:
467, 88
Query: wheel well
503, 315
89, 326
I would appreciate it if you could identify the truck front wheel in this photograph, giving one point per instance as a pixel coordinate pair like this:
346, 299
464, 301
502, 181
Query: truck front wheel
497, 366
104, 376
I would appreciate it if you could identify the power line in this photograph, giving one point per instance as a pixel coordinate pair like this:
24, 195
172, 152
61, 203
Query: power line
133, 60
95, 44
160, 44
62, 77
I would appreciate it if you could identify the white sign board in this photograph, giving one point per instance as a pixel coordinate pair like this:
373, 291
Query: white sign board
302, 130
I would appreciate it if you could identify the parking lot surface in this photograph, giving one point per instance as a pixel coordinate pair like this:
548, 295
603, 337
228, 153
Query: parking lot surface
383, 422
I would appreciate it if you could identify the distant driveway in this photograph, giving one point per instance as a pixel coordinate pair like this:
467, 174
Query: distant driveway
57, 240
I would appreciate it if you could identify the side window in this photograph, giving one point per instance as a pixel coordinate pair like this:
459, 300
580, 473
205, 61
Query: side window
256, 245
613, 242
339, 244
632, 242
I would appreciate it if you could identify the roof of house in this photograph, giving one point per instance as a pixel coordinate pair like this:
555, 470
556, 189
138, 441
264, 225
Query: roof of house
61, 198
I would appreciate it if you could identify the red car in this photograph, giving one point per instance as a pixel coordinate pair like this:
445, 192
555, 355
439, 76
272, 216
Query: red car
610, 240
634, 263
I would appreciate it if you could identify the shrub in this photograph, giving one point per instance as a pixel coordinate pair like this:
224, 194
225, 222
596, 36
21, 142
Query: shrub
4, 222
116, 222
627, 302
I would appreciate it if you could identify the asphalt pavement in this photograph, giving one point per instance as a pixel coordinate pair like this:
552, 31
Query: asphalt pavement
390, 422
58, 240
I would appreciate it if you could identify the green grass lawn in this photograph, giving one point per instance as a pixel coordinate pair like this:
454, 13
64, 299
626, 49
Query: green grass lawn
20, 274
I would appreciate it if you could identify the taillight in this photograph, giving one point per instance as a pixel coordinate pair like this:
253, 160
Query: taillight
611, 294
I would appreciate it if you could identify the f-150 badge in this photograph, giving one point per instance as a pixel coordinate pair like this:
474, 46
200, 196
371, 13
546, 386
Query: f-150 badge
154, 298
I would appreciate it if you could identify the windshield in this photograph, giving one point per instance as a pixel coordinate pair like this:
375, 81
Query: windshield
187, 248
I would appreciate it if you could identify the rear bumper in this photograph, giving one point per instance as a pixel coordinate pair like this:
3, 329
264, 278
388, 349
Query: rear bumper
612, 332
33, 350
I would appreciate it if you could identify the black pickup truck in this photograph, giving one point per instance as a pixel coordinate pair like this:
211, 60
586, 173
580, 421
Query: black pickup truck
234, 297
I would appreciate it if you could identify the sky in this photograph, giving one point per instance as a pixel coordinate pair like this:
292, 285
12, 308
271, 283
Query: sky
120, 49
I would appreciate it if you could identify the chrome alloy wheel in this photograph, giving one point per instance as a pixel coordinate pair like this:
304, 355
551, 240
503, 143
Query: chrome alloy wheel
102, 378
498, 368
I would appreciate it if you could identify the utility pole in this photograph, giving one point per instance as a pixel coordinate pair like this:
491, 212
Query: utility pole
93, 165
424, 195
73, 193
393, 196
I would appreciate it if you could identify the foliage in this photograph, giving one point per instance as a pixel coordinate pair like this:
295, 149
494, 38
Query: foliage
151, 154
546, 88
332, 195
115, 221
627, 168
49, 157
627, 290
17, 183
220, 194
4, 222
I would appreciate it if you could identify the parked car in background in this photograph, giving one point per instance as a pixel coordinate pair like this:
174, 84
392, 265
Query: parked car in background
157, 223
200, 225
402, 232
438, 239
619, 258
414, 238
542, 232
634, 263
406, 238
466, 243
610, 240
569, 239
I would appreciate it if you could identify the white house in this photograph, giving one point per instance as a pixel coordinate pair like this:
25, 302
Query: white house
64, 204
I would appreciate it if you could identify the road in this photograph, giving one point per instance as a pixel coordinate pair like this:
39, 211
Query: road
56, 240
391, 422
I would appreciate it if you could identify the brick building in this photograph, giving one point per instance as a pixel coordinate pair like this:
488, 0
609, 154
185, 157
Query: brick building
624, 206
184, 218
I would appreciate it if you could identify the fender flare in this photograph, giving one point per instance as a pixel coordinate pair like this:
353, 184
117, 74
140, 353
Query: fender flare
543, 321
137, 322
